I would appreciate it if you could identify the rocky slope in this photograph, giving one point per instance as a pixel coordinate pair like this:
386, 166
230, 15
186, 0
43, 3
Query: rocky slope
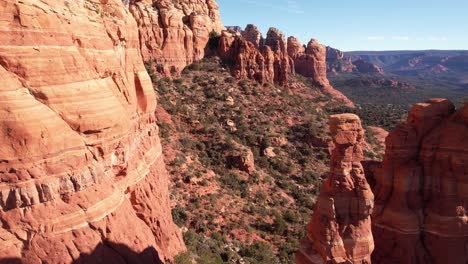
420, 213
340, 229
173, 34
81, 159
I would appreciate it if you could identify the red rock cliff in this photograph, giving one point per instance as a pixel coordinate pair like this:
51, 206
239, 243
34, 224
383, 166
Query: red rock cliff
269, 63
340, 229
175, 33
311, 62
81, 168
421, 193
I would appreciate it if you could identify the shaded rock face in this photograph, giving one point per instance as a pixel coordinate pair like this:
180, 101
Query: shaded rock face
363, 66
81, 160
420, 213
175, 33
340, 229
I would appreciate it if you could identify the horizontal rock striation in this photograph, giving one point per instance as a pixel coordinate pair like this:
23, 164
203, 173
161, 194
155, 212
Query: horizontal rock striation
340, 229
173, 34
81, 159
420, 213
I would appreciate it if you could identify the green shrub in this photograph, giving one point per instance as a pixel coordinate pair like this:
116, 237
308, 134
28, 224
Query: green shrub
179, 216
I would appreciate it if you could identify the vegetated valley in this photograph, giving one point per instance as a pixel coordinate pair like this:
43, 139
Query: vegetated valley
246, 161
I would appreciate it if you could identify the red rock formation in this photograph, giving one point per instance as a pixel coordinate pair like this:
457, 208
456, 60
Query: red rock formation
295, 47
248, 62
420, 213
337, 62
363, 66
267, 64
312, 63
81, 167
175, 33
283, 63
340, 229
253, 34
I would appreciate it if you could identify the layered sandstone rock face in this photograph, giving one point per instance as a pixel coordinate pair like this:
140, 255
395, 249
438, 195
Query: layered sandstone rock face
421, 193
340, 229
81, 168
173, 34
311, 62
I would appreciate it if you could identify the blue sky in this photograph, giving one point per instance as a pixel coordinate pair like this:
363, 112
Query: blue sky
359, 24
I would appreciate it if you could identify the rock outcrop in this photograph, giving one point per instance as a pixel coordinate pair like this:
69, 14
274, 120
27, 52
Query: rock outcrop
81, 160
420, 213
363, 66
340, 229
248, 62
270, 63
173, 34
311, 62
253, 34
283, 63
337, 62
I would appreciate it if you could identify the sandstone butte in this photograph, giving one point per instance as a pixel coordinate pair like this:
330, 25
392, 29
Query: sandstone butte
421, 191
340, 228
82, 176
274, 58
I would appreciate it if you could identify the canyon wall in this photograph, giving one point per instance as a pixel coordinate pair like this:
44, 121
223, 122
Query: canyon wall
421, 192
173, 34
81, 166
340, 229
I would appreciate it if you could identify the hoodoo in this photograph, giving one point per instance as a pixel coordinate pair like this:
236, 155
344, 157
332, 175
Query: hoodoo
340, 229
